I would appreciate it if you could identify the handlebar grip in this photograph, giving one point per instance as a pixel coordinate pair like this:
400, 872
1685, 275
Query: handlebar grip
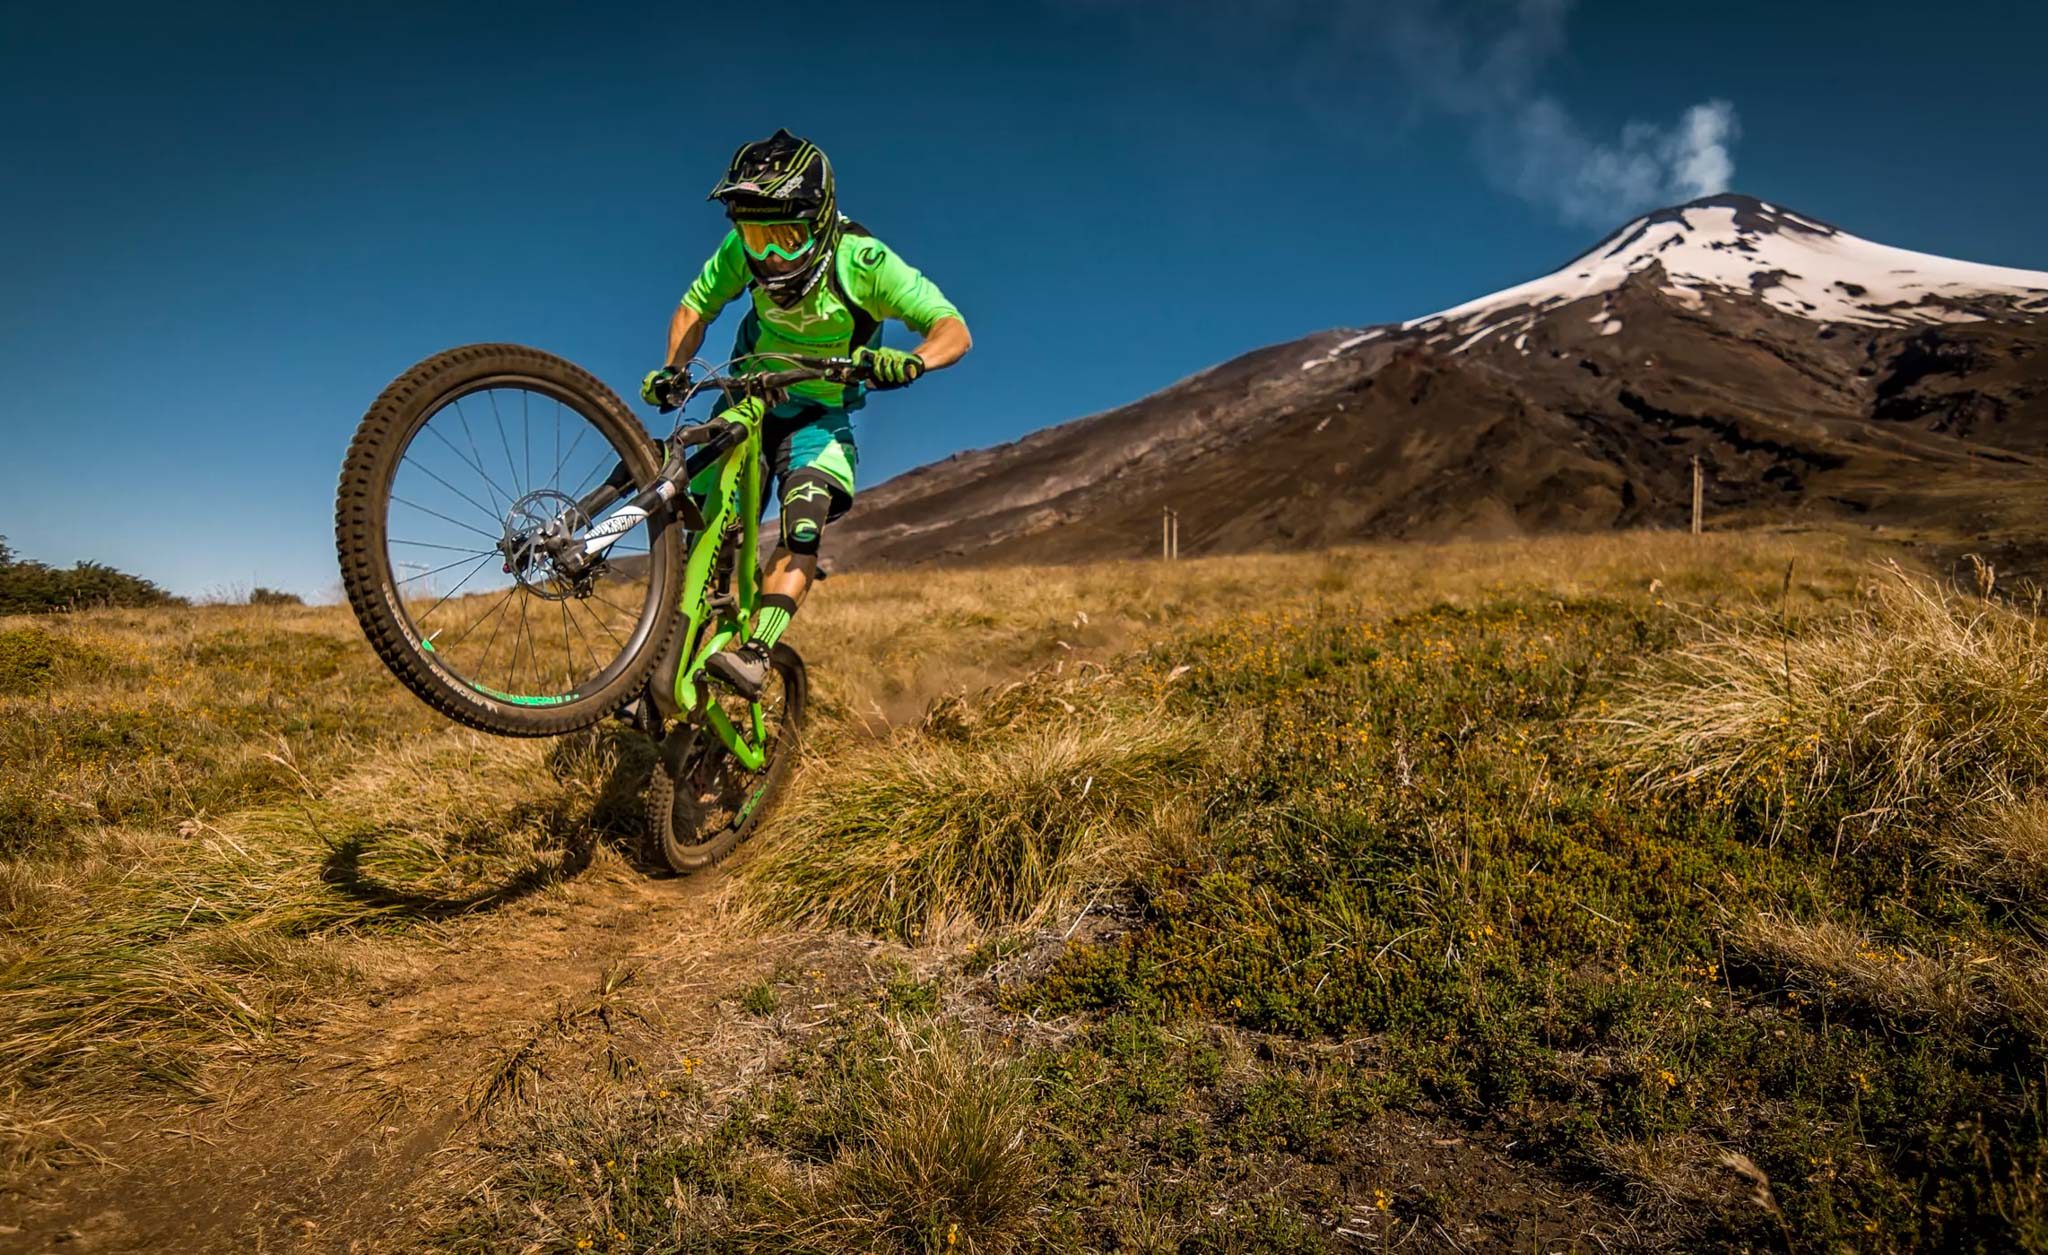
672, 392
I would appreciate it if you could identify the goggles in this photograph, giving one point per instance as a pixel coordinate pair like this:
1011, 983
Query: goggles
789, 240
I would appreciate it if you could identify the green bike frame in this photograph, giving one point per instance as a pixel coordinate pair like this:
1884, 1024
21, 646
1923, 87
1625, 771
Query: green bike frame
729, 496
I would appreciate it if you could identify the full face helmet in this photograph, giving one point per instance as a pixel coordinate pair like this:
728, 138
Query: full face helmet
778, 193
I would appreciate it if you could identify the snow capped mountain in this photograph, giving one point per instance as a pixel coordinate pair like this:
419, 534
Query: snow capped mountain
1734, 246
1810, 374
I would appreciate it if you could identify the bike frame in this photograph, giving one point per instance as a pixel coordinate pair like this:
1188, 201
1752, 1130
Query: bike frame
716, 494
729, 496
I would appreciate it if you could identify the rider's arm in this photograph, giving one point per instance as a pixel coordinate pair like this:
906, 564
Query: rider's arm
902, 293
685, 335
723, 278
946, 343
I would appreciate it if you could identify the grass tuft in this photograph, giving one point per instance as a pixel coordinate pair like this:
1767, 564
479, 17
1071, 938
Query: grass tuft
1916, 702
939, 1161
907, 838
2001, 852
1830, 959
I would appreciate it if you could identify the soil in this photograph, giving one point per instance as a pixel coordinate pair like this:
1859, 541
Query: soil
344, 1137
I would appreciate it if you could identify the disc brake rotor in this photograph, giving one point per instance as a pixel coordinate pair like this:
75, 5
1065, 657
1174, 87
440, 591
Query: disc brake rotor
538, 528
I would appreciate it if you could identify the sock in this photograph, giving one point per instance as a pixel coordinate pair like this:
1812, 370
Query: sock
769, 621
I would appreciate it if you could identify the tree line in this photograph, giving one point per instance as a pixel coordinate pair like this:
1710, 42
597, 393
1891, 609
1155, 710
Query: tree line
31, 587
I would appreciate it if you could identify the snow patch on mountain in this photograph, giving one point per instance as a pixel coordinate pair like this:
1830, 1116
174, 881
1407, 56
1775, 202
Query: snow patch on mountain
1343, 347
1732, 244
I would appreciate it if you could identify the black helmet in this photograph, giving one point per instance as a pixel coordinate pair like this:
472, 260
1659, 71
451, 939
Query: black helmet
778, 192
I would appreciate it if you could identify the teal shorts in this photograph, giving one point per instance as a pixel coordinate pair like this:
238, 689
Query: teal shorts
821, 442
804, 436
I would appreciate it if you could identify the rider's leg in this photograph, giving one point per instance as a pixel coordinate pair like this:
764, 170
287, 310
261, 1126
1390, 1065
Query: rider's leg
810, 499
789, 575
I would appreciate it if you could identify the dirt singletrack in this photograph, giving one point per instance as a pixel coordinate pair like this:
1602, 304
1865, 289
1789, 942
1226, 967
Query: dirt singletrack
339, 1140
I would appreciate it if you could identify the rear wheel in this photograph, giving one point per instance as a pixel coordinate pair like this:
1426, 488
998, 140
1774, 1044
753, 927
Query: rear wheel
442, 524
701, 803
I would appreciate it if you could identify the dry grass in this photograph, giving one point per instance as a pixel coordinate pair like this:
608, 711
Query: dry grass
1828, 958
151, 950
213, 818
2001, 851
938, 1160
989, 814
148, 718
202, 808
882, 644
1917, 703
1971, 985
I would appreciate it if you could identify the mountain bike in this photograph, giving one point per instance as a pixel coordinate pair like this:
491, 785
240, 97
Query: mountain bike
537, 587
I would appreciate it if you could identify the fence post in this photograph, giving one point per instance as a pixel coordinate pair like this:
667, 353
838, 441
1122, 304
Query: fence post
1165, 534
1696, 494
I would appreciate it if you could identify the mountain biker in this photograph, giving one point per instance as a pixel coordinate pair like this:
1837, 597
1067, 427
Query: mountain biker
821, 287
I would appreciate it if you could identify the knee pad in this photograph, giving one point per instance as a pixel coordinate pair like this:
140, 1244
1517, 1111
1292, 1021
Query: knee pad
806, 508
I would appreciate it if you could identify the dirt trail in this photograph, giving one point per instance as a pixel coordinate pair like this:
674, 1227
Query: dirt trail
336, 1141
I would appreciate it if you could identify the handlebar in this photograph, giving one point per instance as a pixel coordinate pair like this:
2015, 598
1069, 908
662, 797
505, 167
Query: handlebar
841, 370
807, 369
715, 438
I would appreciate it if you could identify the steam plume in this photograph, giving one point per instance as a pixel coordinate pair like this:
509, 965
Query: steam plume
1479, 61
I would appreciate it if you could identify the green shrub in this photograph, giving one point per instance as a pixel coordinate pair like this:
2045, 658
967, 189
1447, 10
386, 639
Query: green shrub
29, 587
28, 658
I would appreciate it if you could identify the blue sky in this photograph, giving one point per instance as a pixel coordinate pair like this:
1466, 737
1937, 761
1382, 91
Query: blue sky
225, 228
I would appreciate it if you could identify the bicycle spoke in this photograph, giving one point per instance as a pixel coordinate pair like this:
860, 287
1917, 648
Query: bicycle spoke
583, 487
525, 435
608, 605
597, 619
474, 624
422, 620
445, 519
425, 544
568, 655
504, 443
484, 659
525, 634
563, 460
497, 509
436, 571
488, 513
476, 454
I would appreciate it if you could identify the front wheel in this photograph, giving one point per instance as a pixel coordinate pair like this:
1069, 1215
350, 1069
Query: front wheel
701, 802
465, 550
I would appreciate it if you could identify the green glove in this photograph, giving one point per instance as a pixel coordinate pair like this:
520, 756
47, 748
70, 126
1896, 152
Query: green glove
890, 368
662, 387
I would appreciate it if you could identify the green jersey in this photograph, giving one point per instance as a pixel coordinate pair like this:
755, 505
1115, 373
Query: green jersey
864, 271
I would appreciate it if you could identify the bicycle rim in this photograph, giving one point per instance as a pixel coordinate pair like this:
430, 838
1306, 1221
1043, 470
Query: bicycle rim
478, 477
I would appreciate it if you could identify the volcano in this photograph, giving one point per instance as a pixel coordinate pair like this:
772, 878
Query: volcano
1814, 375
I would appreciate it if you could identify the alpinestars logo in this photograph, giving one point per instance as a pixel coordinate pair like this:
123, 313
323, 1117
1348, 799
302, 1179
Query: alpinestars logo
800, 320
805, 492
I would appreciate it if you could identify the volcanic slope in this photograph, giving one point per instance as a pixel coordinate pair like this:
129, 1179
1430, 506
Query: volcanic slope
1815, 374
